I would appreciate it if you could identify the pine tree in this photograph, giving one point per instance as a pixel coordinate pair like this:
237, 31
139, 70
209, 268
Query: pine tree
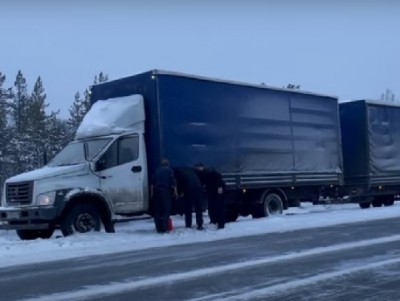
5, 95
36, 122
19, 148
388, 96
100, 78
20, 99
58, 135
77, 111
81, 106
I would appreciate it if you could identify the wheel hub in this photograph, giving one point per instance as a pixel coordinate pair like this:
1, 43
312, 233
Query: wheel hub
84, 223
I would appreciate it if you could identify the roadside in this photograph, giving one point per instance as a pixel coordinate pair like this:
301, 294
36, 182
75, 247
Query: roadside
140, 234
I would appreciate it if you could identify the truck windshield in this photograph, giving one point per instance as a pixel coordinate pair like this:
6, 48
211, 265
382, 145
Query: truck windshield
79, 152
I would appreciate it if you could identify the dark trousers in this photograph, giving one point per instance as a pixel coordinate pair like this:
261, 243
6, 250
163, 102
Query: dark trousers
216, 210
193, 199
162, 208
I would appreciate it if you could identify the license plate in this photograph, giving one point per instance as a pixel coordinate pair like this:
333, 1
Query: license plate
13, 215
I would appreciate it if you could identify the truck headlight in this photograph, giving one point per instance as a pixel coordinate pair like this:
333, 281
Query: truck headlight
46, 199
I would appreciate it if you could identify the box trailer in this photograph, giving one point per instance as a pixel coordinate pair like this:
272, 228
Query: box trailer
371, 142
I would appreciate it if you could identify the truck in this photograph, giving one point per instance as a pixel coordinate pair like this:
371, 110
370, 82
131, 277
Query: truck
274, 147
370, 133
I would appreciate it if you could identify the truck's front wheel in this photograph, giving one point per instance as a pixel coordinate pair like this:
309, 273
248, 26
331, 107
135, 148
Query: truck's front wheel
81, 218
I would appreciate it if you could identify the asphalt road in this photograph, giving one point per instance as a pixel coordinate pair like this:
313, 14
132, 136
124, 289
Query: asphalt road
358, 261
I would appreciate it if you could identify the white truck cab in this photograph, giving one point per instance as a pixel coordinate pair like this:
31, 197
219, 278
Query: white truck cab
95, 178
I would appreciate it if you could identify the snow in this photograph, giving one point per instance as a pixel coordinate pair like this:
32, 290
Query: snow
130, 285
45, 172
113, 117
264, 292
140, 233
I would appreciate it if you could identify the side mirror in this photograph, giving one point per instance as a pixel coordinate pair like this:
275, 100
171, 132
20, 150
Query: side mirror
100, 165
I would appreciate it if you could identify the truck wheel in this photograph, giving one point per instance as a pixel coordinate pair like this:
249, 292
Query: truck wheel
81, 218
376, 203
34, 234
46, 234
271, 205
364, 205
389, 202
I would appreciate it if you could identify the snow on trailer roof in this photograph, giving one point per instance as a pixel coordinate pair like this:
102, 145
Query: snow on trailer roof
122, 114
378, 102
205, 78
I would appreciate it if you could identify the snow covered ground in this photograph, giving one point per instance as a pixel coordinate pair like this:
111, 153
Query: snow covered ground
140, 234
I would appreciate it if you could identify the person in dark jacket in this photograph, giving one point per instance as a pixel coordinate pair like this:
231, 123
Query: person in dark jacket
163, 189
215, 187
190, 188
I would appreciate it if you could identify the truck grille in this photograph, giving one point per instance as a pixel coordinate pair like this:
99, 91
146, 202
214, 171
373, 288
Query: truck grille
19, 193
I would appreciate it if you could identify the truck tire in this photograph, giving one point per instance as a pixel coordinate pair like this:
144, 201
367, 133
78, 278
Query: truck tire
46, 234
376, 203
272, 205
389, 202
81, 218
364, 205
35, 234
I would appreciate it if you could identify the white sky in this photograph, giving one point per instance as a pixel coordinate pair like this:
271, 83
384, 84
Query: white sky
345, 48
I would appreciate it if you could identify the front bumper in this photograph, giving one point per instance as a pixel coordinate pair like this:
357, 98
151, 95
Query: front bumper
31, 218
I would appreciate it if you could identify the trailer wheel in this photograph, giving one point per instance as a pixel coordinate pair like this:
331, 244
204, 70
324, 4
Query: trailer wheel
364, 205
81, 218
35, 234
389, 202
377, 203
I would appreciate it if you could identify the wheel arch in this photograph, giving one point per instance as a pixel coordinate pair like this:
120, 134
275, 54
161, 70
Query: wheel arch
277, 191
95, 199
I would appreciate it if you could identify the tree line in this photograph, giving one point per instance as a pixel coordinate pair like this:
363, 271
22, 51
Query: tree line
30, 134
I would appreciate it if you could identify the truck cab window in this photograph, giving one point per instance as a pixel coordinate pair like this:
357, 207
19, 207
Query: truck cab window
73, 153
110, 157
128, 149
120, 152
93, 147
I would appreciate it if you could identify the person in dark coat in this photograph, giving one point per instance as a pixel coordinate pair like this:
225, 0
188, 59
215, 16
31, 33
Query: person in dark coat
163, 189
215, 187
190, 188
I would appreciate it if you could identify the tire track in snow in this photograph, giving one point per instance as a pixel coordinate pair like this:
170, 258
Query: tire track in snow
290, 285
130, 285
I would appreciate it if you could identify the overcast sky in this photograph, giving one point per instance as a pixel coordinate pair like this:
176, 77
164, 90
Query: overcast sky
350, 49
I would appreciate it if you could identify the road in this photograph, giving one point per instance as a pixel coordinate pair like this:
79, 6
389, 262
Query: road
358, 261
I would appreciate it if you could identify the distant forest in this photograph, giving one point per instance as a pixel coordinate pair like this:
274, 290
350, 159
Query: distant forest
31, 134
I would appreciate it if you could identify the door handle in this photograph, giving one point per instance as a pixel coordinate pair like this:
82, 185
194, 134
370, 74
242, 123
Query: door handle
136, 168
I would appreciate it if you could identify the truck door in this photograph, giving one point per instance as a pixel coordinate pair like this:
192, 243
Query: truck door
123, 171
